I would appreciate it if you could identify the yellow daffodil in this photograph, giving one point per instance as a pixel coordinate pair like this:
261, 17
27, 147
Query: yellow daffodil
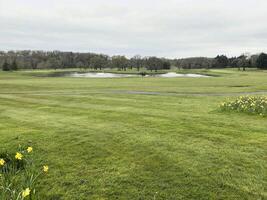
26, 192
18, 156
29, 149
2, 162
251, 105
45, 168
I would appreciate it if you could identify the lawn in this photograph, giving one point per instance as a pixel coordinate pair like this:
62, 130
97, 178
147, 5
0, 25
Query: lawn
108, 139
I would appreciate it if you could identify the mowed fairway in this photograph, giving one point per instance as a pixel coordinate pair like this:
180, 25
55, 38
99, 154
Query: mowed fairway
108, 139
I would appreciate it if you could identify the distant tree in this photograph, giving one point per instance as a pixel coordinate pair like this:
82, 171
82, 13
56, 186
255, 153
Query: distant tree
166, 65
68, 60
80, 65
154, 63
177, 63
33, 64
14, 65
233, 62
98, 62
136, 61
243, 62
119, 62
253, 60
6, 66
54, 63
262, 61
221, 61
194, 63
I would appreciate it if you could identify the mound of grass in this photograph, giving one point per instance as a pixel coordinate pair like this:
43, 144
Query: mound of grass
247, 104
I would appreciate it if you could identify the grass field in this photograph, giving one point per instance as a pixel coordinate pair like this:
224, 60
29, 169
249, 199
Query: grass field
104, 140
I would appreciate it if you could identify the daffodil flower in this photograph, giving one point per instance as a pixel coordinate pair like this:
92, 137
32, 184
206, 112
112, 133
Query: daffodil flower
2, 162
18, 156
45, 168
29, 149
26, 192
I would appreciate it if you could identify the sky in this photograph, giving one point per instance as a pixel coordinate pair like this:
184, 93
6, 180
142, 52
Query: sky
163, 28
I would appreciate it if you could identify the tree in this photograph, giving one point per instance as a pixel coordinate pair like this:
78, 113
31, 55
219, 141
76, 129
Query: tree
53, 63
220, 62
120, 62
14, 65
98, 61
80, 65
154, 63
177, 63
243, 62
33, 64
262, 61
6, 66
253, 60
194, 63
137, 62
166, 65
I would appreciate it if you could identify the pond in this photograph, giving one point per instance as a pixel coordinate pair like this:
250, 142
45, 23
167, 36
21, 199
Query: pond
99, 75
173, 75
115, 75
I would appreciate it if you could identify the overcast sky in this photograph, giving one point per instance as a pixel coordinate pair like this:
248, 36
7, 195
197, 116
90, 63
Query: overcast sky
170, 28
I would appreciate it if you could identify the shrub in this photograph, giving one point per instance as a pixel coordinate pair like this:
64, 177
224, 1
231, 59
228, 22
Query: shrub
247, 104
18, 175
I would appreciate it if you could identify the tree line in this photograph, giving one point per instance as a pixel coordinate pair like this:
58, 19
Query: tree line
221, 61
14, 60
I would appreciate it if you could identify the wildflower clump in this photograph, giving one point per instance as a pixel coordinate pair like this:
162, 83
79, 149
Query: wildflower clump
19, 174
247, 104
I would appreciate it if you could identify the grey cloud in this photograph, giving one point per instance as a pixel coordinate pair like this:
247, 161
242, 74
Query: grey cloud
172, 28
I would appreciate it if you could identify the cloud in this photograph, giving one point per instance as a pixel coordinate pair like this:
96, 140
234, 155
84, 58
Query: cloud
171, 28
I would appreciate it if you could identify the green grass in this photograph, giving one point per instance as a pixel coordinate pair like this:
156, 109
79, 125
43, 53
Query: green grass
103, 142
